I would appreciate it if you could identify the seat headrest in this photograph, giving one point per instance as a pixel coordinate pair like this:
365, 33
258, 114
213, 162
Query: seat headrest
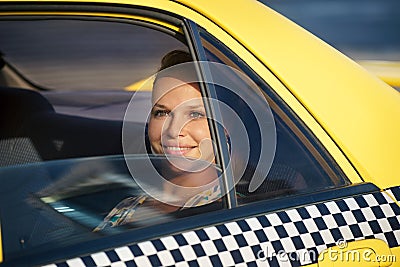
17, 105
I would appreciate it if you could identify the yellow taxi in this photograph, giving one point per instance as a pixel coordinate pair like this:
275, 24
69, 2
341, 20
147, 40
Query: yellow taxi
305, 141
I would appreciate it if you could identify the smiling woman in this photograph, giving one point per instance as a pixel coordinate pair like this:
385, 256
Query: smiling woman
178, 123
177, 128
63, 99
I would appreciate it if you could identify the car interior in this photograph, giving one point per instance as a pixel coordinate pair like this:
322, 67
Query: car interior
32, 131
48, 142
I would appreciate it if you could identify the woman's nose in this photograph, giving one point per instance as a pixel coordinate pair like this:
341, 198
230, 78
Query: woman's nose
174, 126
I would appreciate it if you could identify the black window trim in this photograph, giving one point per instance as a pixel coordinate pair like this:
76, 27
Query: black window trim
216, 130
281, 105
94, 8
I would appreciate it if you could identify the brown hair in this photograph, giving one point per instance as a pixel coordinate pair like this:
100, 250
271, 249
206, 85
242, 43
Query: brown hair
175, 57
169, 68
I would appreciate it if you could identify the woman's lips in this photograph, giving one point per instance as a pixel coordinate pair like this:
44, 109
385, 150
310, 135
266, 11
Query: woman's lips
177, 150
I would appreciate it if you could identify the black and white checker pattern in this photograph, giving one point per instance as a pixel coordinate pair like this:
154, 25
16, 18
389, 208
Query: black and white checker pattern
300, 233
394, 192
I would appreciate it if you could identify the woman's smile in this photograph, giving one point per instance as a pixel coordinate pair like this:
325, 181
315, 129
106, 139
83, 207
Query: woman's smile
177, 150
178, 124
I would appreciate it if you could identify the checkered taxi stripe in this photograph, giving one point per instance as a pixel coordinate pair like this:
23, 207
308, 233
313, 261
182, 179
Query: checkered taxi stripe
288, 238
394, 192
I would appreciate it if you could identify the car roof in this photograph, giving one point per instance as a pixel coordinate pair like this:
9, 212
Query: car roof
359, 111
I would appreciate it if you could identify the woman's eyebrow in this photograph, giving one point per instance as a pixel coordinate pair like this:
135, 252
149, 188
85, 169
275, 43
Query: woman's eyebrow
189, 106
195, 106
160, 106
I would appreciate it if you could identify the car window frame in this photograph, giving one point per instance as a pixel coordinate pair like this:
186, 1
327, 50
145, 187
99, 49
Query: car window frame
216, 130
104, 242
305, 131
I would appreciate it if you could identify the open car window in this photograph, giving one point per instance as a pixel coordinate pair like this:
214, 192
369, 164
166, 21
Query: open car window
79, 106
65, 88
281, 157
86, 68
66, 202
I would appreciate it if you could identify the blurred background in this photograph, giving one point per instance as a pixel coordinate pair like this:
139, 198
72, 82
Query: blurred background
367, 31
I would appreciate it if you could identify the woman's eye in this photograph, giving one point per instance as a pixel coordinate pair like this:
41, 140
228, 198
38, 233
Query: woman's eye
196, 114
160, 113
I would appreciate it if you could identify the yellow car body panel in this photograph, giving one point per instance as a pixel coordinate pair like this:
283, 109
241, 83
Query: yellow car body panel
367, 252
1, 246
387, 71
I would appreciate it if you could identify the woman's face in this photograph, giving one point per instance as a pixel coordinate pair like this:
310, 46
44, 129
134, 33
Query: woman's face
178, 123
